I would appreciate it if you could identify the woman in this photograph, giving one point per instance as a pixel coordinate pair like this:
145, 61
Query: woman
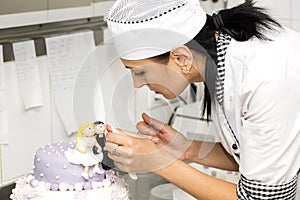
249, 65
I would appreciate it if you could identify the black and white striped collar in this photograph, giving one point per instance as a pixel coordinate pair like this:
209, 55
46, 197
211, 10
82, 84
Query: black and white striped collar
222, 44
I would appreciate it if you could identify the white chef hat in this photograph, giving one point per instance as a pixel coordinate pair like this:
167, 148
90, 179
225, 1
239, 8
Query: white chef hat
145, 28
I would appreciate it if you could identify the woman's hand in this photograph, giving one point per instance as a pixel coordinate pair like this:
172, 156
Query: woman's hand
164, 136
133, 152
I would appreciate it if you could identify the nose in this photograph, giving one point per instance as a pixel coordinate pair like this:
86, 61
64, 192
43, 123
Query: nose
138, 82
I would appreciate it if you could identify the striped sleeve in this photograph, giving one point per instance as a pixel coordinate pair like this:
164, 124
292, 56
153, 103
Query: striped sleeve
254, 190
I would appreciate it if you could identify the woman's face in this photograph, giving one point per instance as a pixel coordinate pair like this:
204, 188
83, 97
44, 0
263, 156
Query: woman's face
166, 79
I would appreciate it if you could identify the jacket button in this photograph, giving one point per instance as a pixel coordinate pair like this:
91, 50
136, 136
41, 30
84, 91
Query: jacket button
234, 147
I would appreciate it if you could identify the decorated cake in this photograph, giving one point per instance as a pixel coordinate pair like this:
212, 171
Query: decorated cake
77, 170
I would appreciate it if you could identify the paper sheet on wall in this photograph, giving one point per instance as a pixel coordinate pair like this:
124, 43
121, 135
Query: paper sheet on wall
28, 74
66, 54
3, 110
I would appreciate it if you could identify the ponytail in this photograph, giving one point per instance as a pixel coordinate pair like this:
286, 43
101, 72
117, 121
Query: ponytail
244, 21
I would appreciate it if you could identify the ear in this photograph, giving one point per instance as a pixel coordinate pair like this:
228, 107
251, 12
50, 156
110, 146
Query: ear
182, 55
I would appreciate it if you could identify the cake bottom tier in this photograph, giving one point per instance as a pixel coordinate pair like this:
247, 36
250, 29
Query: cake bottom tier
111, 191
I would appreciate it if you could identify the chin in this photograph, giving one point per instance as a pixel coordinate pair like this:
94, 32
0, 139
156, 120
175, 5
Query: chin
169, 96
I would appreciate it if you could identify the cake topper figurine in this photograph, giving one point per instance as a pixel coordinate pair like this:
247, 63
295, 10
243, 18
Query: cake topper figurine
83, 153
100, 130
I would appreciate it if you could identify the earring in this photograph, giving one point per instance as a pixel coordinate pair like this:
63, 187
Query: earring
185, 69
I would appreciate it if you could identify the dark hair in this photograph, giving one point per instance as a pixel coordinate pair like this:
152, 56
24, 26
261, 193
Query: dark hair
98, 122
245, 21
242, 23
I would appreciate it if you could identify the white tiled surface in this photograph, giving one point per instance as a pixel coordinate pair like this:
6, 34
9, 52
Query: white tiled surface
286, 12
277, 8
295, 9
53, 14
285, 22
296, 25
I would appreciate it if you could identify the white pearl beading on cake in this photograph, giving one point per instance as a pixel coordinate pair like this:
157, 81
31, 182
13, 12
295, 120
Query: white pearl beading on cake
64, 186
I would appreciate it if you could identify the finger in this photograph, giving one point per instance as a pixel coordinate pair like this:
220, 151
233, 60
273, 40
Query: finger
119, 139
146, 118
110, 128
134, 134
165, 137
145, 129
110, 146
157, 125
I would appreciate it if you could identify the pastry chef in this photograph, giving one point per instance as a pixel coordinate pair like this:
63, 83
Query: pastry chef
249, 65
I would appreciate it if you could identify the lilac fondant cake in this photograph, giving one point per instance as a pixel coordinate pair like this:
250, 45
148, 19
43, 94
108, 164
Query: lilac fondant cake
54, 177
52, 166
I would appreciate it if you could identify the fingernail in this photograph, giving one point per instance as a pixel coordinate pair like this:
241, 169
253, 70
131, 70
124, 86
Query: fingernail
146, 117
155, 140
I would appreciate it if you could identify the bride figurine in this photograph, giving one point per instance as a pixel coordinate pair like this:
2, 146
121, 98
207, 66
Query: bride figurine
83, 153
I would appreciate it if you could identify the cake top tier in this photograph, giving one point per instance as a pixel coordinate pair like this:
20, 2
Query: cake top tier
52, 166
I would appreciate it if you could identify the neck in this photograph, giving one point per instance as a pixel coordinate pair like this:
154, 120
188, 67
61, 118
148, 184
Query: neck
198, 69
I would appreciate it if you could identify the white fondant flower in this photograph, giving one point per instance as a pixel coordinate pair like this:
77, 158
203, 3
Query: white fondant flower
119, 194
95, 185
48, 186
31, 194
34, 183
106, 183
100, 184
29, 178
82, 195
42, 183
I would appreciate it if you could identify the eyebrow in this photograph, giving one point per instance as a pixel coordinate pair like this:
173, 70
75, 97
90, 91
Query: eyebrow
127, 67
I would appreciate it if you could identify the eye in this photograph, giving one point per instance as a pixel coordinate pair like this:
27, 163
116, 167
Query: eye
139, 73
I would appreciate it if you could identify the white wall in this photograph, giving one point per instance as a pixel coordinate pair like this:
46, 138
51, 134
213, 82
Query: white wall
286, 11
50, 11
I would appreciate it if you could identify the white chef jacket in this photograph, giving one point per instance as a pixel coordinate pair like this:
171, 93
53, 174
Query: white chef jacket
260, 123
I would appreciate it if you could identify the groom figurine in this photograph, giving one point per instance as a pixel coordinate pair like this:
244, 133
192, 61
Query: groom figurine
107, 163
